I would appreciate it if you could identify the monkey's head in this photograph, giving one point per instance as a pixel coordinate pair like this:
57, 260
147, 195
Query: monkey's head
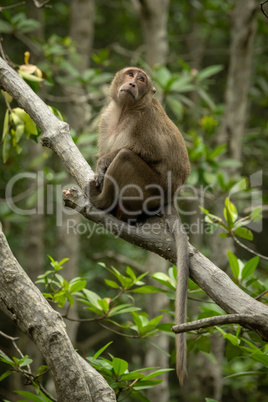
130, 86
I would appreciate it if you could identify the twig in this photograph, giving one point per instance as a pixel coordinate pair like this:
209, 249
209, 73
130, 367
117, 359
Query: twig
262, 9
47, 393
117, 332
40, 5
12, 6
9, 337
249, 249
262, 294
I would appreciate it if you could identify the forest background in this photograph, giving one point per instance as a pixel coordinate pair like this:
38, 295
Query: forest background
208, 60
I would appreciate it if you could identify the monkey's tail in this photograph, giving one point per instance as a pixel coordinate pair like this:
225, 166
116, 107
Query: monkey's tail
181, 240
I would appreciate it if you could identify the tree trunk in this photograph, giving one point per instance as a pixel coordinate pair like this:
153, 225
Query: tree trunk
78, 115
75, 380
154, 17
155, 355
243, 31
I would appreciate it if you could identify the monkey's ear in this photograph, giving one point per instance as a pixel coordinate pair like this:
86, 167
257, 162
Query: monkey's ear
154, 90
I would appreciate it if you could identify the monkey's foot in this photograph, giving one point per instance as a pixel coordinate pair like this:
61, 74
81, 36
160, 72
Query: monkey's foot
92, 191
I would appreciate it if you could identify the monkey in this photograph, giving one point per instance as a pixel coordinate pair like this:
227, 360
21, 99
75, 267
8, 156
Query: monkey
143, 161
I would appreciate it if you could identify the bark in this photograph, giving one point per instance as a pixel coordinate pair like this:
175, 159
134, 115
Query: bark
75, 380
244, 24
154, 16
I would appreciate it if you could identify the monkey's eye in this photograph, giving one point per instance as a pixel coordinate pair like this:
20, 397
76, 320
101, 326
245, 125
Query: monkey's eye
130, 74
141, 78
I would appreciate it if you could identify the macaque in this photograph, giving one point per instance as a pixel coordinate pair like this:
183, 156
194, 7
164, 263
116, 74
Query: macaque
142, 162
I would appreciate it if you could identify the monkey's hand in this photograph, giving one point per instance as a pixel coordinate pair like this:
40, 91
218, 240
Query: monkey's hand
102, 166
99, 177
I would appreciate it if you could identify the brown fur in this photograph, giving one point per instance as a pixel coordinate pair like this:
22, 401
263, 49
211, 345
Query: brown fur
139, 145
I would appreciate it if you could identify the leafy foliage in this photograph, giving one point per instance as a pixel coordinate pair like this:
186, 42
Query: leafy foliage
123, 381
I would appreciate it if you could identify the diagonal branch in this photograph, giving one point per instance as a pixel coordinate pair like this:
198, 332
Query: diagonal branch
75, 380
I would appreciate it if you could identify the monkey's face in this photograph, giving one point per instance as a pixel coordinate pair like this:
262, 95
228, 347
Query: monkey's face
132, 84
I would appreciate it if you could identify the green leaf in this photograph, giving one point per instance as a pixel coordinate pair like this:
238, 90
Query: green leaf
125, 282
42, 369
259, 356
112, 284
230, 212
256, 214
176, 106
242, 185
60, 279
228, 162
99, 352
146, 384
146, 289
206, 98
205, 211
63, 261
30, 126
203, 344
70, 298
101, 79
122, 309
6, 148
250, 267
29, 395
92, 297
164, 279
147, 327
244, 233
6, 359
104, 305
208, 72
231, 338
25, 361
79, 285
163, 75
6, 125
5, 375
130, 273
29, 77
233, 264
217, 151
5, 27
119, 366
133, 375
137, 320
182, 84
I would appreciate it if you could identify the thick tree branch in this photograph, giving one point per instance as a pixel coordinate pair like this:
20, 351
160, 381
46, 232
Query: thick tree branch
245, 320
154, 234
20, 299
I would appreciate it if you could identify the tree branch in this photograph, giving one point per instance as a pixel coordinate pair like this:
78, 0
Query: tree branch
75, 380
245, 320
